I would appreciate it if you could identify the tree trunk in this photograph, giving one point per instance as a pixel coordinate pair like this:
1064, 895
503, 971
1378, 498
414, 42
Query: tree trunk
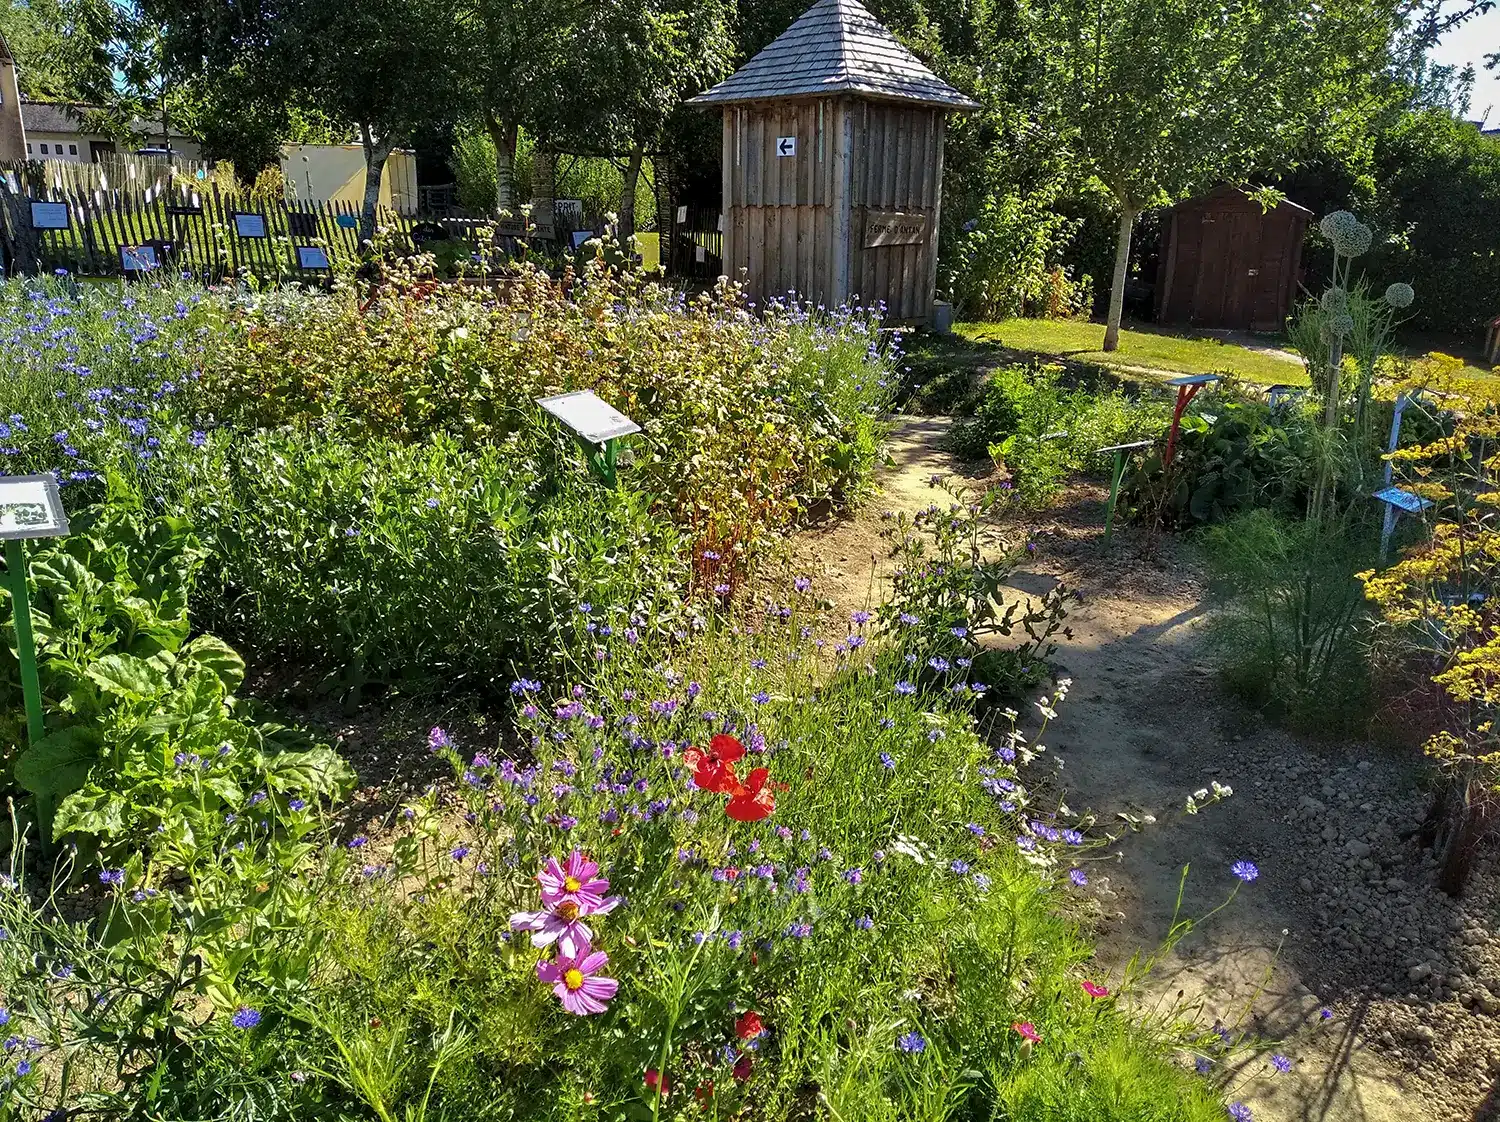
543, 191
666, 210
377, 151
627, 196
1117, 285
503, 136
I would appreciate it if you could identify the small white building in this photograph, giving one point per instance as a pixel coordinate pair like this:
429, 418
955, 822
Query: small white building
57, 131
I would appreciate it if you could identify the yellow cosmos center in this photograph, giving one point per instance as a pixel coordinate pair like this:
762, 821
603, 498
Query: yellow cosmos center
573, 978
571, 884
568, 910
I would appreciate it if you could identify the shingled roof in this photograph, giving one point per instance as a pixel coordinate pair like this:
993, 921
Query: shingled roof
836, 46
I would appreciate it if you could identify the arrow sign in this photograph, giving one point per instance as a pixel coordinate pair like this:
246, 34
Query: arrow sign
786, 145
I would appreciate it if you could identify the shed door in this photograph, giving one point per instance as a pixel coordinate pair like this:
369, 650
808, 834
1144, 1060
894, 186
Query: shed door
1228, 270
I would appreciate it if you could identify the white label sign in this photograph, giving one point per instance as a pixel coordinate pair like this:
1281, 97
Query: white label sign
786, 145
30, 507
681, 215
589, 415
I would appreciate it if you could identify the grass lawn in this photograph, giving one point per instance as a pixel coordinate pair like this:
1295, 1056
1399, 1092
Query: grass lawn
1081, 342
649, 247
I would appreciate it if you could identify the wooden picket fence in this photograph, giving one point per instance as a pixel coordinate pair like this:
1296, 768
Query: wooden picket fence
195, 228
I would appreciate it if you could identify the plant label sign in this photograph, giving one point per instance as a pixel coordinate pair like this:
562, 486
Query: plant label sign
786, 146
30, 507
893, 227
312, 257
49, 216
250, 225
139, 258
591, 417
682, 216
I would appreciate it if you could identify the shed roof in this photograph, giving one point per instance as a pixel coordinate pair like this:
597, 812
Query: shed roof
836, 46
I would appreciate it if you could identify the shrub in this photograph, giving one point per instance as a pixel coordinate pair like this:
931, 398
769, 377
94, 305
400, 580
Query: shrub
1003, 260
1039, 431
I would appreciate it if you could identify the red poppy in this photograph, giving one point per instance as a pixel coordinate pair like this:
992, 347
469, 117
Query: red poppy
742, 1067
754, 800
749, 1026
713, 769
703, 1093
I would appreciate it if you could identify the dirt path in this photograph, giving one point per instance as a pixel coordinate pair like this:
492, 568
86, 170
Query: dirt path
1342, 917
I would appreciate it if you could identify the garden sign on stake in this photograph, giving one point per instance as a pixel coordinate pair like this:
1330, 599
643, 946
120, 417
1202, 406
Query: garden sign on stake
597, 424
30, 507
1187, 389
1119, 451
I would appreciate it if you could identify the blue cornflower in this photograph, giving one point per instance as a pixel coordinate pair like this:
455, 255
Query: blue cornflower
1240, 1112
459, 852
1072, 837
358, 841
976, 829
111, 876
297, 804
939, 664
799, 930
911, 1043
1203, 1065
245, 1017
981, 882
1078, 877
905, 688
887, 761
1281, 1063
760, 697
959, 866
909, 619
854, 875
1245, 870
757, 664
864, 923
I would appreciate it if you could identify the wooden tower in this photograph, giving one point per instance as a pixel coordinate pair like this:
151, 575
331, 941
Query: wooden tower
833, 165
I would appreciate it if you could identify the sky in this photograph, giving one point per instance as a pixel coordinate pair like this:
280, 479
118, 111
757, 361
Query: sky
1469, 44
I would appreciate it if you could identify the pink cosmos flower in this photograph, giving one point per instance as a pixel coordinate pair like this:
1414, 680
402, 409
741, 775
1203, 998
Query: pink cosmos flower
1027, 1030
576, 982
574, 880
1095, 991
569, 893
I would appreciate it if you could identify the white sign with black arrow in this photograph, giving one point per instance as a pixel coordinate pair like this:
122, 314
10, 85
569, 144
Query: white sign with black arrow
786, 145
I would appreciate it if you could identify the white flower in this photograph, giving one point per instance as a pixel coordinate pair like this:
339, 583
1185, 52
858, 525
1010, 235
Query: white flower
1046, 710
1222, 790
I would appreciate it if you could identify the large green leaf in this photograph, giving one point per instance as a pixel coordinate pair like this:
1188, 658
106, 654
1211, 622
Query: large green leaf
91, 811
127, 676
59, 763
218, 656
317, 771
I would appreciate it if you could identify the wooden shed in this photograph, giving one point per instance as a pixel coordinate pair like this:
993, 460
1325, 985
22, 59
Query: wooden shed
1227, 263
833, 165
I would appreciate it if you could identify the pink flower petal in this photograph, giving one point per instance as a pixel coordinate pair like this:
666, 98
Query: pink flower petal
593, 963
550, 972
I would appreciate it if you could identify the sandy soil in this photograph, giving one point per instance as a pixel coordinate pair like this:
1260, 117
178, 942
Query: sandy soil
1343, 916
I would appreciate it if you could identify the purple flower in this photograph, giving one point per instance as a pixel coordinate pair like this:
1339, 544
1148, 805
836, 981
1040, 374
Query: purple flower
297, 804
854, 876
1203, 1065
976, 829
459, 852
911, 1043
887, 761
859, 618
1281, 1063
905, 688
437, 739
1247, 872
960, 867
864, 923
1078, 877
1240, 1112
799, 930
1325, 1014
760, 697
245, 1017
358, 841
111, 876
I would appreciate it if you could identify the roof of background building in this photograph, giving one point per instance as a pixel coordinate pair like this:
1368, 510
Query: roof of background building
836, 46
56, 116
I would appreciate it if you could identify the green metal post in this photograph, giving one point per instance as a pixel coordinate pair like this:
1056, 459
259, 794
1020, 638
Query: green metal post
15, 562
1114, 492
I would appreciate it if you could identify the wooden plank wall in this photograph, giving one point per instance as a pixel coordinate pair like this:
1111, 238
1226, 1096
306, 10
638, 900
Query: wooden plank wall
779, 210
898, 152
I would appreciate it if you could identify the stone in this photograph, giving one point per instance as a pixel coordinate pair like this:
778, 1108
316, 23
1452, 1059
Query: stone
1305, 883
1359, 848
1419, 971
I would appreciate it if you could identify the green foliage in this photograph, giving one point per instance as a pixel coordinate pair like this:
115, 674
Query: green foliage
1002, 262
1039, 431
147, 748
947, 594
1292, 614
1243, 456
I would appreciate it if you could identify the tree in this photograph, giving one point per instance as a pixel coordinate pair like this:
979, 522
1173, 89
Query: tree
650, 55
1160, 99
62, 48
